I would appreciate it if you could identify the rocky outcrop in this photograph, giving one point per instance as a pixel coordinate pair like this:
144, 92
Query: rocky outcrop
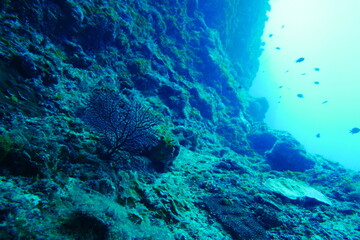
288, 156
295, 190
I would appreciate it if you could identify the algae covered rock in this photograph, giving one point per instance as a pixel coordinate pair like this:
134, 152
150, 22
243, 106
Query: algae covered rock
163, 154
239, 222
257, 108
262, 142
289, 156
295, 190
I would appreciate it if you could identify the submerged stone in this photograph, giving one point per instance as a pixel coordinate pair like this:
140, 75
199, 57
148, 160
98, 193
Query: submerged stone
288, 156
262, 142
239, 222
295, 190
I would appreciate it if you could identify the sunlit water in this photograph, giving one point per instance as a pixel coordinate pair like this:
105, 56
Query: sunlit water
326, 34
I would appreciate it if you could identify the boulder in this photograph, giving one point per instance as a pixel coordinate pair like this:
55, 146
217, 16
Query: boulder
289, 156
296, 191
262, 142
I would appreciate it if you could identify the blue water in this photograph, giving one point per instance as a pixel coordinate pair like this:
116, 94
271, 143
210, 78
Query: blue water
317, 99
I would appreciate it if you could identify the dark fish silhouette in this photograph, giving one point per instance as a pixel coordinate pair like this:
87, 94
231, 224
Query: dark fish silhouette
317, 69
318, 135
270, 35
324, 102
355, 130
299, 60
316, 82
277, 48
300, 95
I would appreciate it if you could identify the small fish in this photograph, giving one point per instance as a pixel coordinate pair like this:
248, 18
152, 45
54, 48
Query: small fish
355, 130
299, 95
303, 74
280, 86
324, 102
316, 82
270, 35
318, 135
277, 48
317, 69
282, 26
299, 60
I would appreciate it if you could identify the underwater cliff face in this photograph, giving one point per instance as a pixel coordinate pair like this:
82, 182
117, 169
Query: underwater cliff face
132, 120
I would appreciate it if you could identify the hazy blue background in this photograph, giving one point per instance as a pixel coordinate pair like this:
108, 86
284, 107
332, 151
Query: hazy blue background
327, 34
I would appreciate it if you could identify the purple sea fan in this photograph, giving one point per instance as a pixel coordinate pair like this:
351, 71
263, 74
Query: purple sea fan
125, 126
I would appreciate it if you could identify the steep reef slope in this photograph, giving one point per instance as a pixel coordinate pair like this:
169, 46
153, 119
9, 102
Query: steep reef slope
131, 119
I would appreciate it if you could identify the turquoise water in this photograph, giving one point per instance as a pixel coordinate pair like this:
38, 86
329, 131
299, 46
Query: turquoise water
132, 120
317, 99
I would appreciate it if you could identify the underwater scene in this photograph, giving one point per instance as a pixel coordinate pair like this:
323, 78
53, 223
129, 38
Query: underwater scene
309, 75
170, 119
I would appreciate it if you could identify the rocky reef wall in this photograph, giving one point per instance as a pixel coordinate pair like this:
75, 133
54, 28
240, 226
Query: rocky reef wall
132, 120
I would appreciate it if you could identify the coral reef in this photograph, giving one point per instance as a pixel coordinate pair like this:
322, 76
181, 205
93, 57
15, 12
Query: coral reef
162, 86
